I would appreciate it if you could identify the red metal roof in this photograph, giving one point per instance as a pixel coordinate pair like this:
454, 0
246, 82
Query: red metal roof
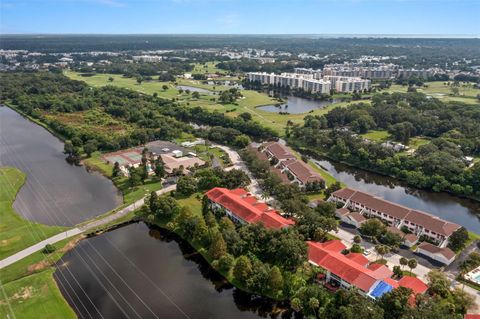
417, 286
341, 266
352, 268
247, 208
358, 258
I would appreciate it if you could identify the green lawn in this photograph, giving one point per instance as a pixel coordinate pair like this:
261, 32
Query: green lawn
250, 102
17, 233
378, 136
34, 296
36, 262
204, 152
416, 142
208, 67
438, 89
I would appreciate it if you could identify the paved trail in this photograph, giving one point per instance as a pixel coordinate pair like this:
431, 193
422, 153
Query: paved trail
78, 230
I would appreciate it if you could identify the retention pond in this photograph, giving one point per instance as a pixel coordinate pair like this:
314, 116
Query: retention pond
138, 271
55, 192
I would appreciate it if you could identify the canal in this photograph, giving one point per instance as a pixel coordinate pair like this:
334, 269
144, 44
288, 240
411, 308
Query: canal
55, 192
138, 271
462, 211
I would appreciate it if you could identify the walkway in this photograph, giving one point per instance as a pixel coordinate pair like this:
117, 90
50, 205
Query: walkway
78, 230
239, 164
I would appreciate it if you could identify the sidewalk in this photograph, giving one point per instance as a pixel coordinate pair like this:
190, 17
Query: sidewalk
78, 230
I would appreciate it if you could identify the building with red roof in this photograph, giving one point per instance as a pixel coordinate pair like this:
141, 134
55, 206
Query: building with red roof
416, 285
398, 216
288, 164
244, 208
471, 316
353, 269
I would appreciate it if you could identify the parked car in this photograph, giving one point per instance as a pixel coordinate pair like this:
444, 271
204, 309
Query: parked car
367, 252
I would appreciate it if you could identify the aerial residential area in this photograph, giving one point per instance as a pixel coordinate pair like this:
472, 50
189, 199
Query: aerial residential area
217, 168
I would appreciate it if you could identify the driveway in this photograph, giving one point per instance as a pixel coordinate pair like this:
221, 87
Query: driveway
237, 162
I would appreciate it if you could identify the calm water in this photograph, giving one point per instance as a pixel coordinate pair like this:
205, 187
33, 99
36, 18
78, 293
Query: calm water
55, 192
461, 211
141, 272
297, 105
193, 89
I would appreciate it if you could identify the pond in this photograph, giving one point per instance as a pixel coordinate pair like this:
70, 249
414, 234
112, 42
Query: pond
138, 271
462, 211
297, 105
55, 192
193, 89
233, 84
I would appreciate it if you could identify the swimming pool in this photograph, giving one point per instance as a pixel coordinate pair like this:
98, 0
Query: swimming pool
474, 275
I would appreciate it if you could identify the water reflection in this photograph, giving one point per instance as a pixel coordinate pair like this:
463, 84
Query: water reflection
462, 211
55, 193
150, 272
297, 105
193, 89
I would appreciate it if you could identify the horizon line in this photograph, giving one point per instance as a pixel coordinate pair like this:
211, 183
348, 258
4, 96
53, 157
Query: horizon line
342, 35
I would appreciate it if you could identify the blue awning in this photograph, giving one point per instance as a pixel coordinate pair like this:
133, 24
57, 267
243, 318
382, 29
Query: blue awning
380, 289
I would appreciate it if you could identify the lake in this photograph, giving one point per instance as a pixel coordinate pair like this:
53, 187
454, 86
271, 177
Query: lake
297, 105
55, 192
138, 271
193, 89
462, 211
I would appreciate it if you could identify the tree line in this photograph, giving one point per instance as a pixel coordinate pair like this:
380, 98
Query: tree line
45, 95
440, 165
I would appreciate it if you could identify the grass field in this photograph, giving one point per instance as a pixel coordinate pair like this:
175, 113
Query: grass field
34, 296
17, 233
377, 136
249, 103
208, 67
380, 136
28, 287
467, 94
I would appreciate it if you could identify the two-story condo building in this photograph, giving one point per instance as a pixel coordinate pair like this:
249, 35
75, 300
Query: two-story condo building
417, 222
284, 159
344, 271
244, 208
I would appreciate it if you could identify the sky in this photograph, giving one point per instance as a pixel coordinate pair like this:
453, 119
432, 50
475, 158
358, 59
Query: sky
417, 17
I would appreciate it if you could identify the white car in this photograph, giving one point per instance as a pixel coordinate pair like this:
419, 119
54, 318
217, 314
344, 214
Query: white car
367, 252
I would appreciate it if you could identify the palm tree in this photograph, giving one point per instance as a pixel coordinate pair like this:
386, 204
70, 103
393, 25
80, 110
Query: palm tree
265, 196
403, 262
412, 264
382, 250
314, 304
